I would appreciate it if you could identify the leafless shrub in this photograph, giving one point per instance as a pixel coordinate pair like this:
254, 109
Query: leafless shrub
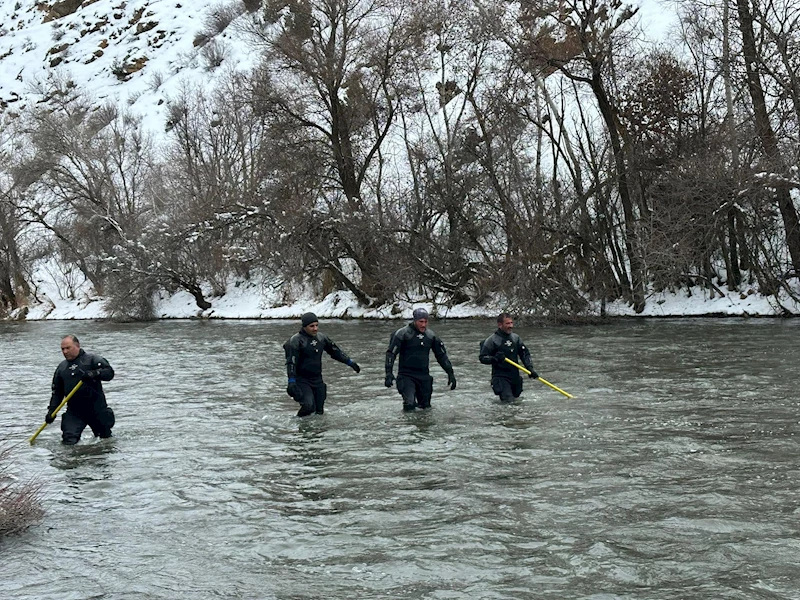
134, 97
156, 81
118, 69
201, 39
214, 54
20, 503
221, 16
217, 21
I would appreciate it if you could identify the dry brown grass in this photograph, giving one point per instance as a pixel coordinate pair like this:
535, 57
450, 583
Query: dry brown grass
20, 502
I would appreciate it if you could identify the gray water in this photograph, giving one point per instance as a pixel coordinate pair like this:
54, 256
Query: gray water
672, 474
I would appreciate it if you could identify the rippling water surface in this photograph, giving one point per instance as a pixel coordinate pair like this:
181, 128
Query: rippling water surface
672, 474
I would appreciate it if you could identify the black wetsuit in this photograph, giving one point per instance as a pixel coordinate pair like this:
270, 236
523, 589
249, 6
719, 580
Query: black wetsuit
304, 365
506, 379
414, 381
88, 405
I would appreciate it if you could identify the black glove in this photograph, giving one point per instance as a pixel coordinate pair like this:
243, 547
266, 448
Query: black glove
293, 389
499, 358
49, 418
533, 374
90, 375
354, 365
389, 381
451, 380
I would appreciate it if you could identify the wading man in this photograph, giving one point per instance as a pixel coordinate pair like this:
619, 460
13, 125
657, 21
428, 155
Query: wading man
88, 405
414, 344
502, 344
304, 365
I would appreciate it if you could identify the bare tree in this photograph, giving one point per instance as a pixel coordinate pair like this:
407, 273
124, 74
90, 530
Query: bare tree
329, 64
14, 287
87, 169
773, 156
579, 39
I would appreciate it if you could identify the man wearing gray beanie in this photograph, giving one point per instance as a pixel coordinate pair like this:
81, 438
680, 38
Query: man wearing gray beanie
413, 344
304, 365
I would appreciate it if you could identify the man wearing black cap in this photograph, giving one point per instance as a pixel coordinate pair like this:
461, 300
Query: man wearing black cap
502, 344
304, 365
414, 344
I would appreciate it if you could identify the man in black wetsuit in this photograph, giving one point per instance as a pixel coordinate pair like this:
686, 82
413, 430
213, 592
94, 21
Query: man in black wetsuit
88, 405
304, 365
502, 344
414, 344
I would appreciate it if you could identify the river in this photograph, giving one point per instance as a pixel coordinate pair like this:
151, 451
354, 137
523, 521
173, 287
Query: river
672, 473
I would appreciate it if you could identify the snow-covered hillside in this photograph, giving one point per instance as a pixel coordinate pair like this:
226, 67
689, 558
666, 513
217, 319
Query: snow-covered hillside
134, 52
137, 52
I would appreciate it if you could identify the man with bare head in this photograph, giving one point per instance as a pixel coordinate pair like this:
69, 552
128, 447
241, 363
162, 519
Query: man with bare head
88, 406
502, 344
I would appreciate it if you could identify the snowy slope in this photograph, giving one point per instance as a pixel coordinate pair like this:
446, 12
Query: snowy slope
134, 52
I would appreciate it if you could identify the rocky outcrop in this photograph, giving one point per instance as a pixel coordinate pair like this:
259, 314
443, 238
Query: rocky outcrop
62, 9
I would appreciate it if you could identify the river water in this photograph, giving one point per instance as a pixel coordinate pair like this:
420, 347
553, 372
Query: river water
673, 472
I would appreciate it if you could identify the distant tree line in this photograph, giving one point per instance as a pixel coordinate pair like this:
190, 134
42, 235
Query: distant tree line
538, 152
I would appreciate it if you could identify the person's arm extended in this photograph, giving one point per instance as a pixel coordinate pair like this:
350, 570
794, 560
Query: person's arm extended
337, 353
440, 352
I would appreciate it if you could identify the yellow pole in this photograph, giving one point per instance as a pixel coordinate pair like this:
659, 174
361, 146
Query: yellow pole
55, 412
524, 370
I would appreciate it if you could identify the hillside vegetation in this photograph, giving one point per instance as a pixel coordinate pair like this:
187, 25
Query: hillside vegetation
548, 154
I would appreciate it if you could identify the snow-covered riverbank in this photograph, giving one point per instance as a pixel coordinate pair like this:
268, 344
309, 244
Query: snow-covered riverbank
248, 300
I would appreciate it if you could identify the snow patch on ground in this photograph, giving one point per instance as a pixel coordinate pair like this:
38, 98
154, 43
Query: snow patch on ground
252, 300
